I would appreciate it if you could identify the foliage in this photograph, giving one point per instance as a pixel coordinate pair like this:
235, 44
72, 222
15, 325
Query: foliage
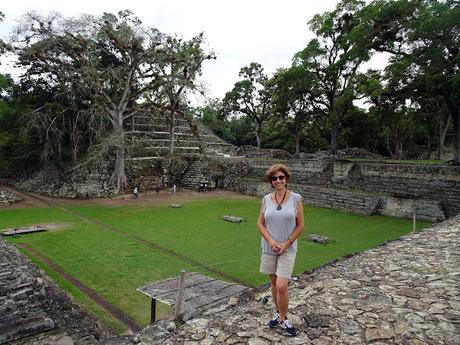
209, 115
409, 100
423, 37
250, 97
85, 76
331, 61
237, 130
18, 155
294, 108
180, 78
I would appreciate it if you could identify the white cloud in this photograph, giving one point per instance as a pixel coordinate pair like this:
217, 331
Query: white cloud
240, 32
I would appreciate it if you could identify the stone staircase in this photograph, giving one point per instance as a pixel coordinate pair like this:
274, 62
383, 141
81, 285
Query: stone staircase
149, 138
193, 176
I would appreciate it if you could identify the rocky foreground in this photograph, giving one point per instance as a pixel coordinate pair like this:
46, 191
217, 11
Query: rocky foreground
405, 292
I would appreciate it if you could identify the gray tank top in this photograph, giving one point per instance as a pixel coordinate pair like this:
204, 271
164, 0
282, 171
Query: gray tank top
280, 223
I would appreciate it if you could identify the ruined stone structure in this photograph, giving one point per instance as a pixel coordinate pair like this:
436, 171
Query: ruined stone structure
147, 158
432, 192
7, 197
33, 309
155, 137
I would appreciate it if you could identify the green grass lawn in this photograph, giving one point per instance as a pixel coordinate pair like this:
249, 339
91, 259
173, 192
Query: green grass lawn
115, 264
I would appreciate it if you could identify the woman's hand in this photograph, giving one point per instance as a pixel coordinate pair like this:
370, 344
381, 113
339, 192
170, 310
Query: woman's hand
284, 246
275, 246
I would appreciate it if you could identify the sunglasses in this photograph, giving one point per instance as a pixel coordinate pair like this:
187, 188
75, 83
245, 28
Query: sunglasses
280, 177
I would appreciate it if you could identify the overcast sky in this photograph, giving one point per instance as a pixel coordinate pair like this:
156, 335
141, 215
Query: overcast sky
239, 32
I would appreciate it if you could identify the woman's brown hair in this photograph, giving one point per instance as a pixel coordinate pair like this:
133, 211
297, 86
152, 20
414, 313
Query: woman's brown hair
274, 169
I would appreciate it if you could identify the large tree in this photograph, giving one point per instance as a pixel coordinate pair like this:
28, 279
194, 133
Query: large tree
103, 66
250, 97
423, 38
333, 59
180, 78
293, 100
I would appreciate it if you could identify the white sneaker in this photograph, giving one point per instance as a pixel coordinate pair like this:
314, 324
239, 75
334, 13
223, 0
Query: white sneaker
274, 321
288, 327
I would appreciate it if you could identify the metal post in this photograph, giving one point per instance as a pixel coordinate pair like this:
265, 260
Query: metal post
413, 222
180, 295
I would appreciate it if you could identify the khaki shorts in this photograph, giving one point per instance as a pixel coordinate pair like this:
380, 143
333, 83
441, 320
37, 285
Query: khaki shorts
281, 265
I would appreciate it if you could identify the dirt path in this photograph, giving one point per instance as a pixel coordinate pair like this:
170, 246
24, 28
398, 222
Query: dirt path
147, 198
100, 301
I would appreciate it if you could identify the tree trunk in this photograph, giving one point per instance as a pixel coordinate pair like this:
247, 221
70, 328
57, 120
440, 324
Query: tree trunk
455, 114
258, 135
334, 135
73, 139
171, 132
442, 135
119, 176
387, 142
73, 145
297, 142
399, 150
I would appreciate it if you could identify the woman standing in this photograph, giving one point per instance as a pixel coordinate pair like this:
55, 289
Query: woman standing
280, 223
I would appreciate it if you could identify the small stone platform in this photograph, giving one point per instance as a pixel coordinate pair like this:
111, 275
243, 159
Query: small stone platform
232, 219
200, 293
20, 231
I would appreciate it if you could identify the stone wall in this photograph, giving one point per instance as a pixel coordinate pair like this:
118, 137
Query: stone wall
348, 200
83, 183
431, 192
435, 182
433, 187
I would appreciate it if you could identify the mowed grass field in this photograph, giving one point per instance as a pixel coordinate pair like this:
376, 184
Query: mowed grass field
116, 249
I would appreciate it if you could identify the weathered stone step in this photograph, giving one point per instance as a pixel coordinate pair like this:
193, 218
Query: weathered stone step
17, 329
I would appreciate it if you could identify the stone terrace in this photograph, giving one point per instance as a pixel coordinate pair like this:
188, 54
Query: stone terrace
404, 292
150, 138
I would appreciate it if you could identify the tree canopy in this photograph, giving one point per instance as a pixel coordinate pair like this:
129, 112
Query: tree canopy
414, 92
250, 96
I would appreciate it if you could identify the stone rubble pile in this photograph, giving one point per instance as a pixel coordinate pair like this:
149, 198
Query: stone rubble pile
81, 184
404, 292
6, 197
33, 310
